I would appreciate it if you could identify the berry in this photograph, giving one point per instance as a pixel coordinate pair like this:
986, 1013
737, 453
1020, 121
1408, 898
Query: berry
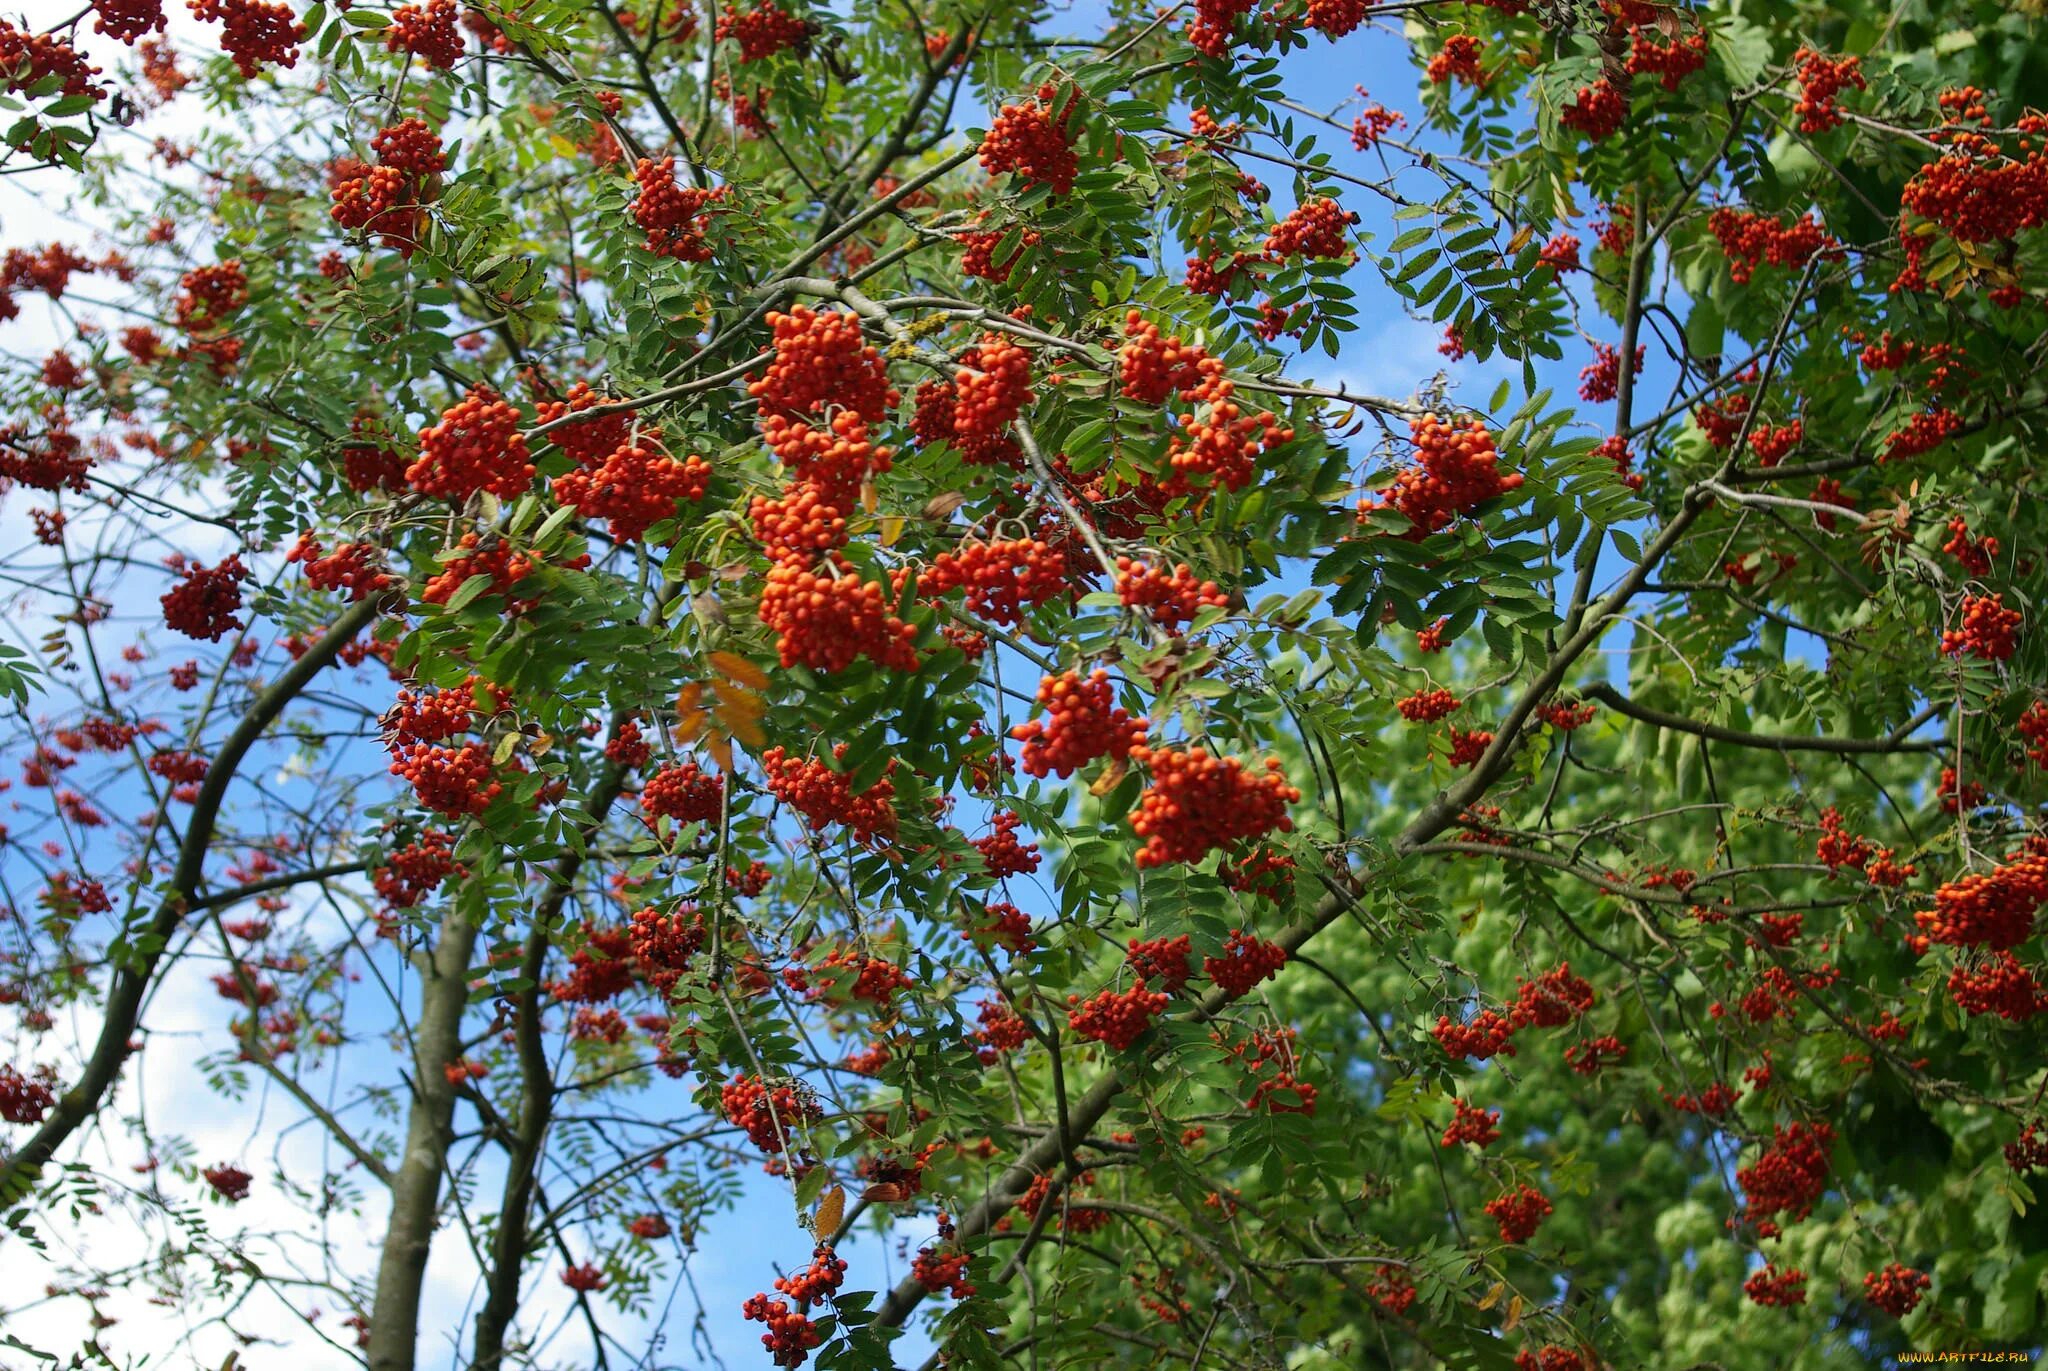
1821, 78
1770, 1286
1896, 1289
820, 360
637, 485
761, 31
477, 447
1790, 1175
426, 31
1116, 1019
1316, 229
991, 388
584, 1279
1197, 802
1002, 579
1171, 599
826, 620
1164, 960
1480, 1127
23, 1099
1082, 724
1487, 1035
824, 796
1458, 472
254, 32
1989, 630
1459, 57
1519, 1213
231, 1183
1246, 961
203, 604
127, 20
1029, 140
684, 793
769, 1117
1002, 854
1598, 111
672, 216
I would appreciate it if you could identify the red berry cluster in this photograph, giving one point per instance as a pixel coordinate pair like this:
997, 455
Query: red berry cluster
1317, 229
413, 872
1335, 19
1002, 854
1595, 1055
1789, 1177
1118, 1019
1209, 30
946, 1271
1896, 1289
1469, 1124
1973, 554
627, 748
230, 1182
585, 1278
827, 619
1519, 1213
1925, 431
1598, 111
254, 32
836, 459
798, 523
1002, 579
1468, 746
768, 1116
476, 447
1669, 62
203, 603
1427, 706
1989, 630
1164, 960
1246, 961
817, 1282
673, 217
1459, 57
390, 199
426, 31
663, 944
1551, 1358
1170, 599
1750, 239
1030, 140
1489, 1034
1197, 802
635, 487
790, 1336
1221, 442
455, 781
1989, 910
1083, 724
357, 568
206, 295
1008, 927
23, 1099
762, 31
684, 793
127, 20
1998, 985
824, 796
1600, 380
1769, 1286
1552, 1000
1458, 472
820, 360
991, 388
1977, 192
1560, 254
979, 258
1821, 79
1373, 123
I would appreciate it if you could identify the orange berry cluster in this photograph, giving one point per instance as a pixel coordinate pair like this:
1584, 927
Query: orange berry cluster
1209, 30
390, 198
943, 1271
1170, 598
1593, 1056
1821, 79
1246, 961
1977, 192
1002, 854
1998, 985
768, 1116
838, 459
1489, 1034
1669, 62
1924, 432
1008, 927
821, 359
664, 943
1028, 140
1459, 471
1336, 18
672, 216
357, 568
635, 487
1164, 960
1116, 1018
1750, 239
1373, 123
1150, 367
1221, 442
1598, 110
254, 32
1896, 1289
1318, 228
1789, 1177
798, 523
686, 793
1459, 57
1989, 630
1197, 802
991, 388
1003, 580
816, 1282
476, 447
1427, 706
979, 258
2033, 726
761, 31
827, 619
1468, 747
455, 781
426, 31
127, 20
1973, 554
874, 980
1994, 909
824, 796
790, 1336
587, 442
1560, 254
203, 604
1084, 723
1519, 1213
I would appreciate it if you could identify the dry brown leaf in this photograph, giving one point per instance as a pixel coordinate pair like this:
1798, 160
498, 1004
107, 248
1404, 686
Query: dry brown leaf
831, 1209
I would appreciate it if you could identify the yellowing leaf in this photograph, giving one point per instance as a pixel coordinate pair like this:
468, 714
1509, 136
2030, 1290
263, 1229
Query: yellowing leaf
1492, 1296
1521, 239
892, 529
720, 750
507, 745
831, 1209
1514, 1315
740, 700
738, 668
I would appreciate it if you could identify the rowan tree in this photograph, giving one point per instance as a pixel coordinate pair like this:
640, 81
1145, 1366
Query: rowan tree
790, 649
